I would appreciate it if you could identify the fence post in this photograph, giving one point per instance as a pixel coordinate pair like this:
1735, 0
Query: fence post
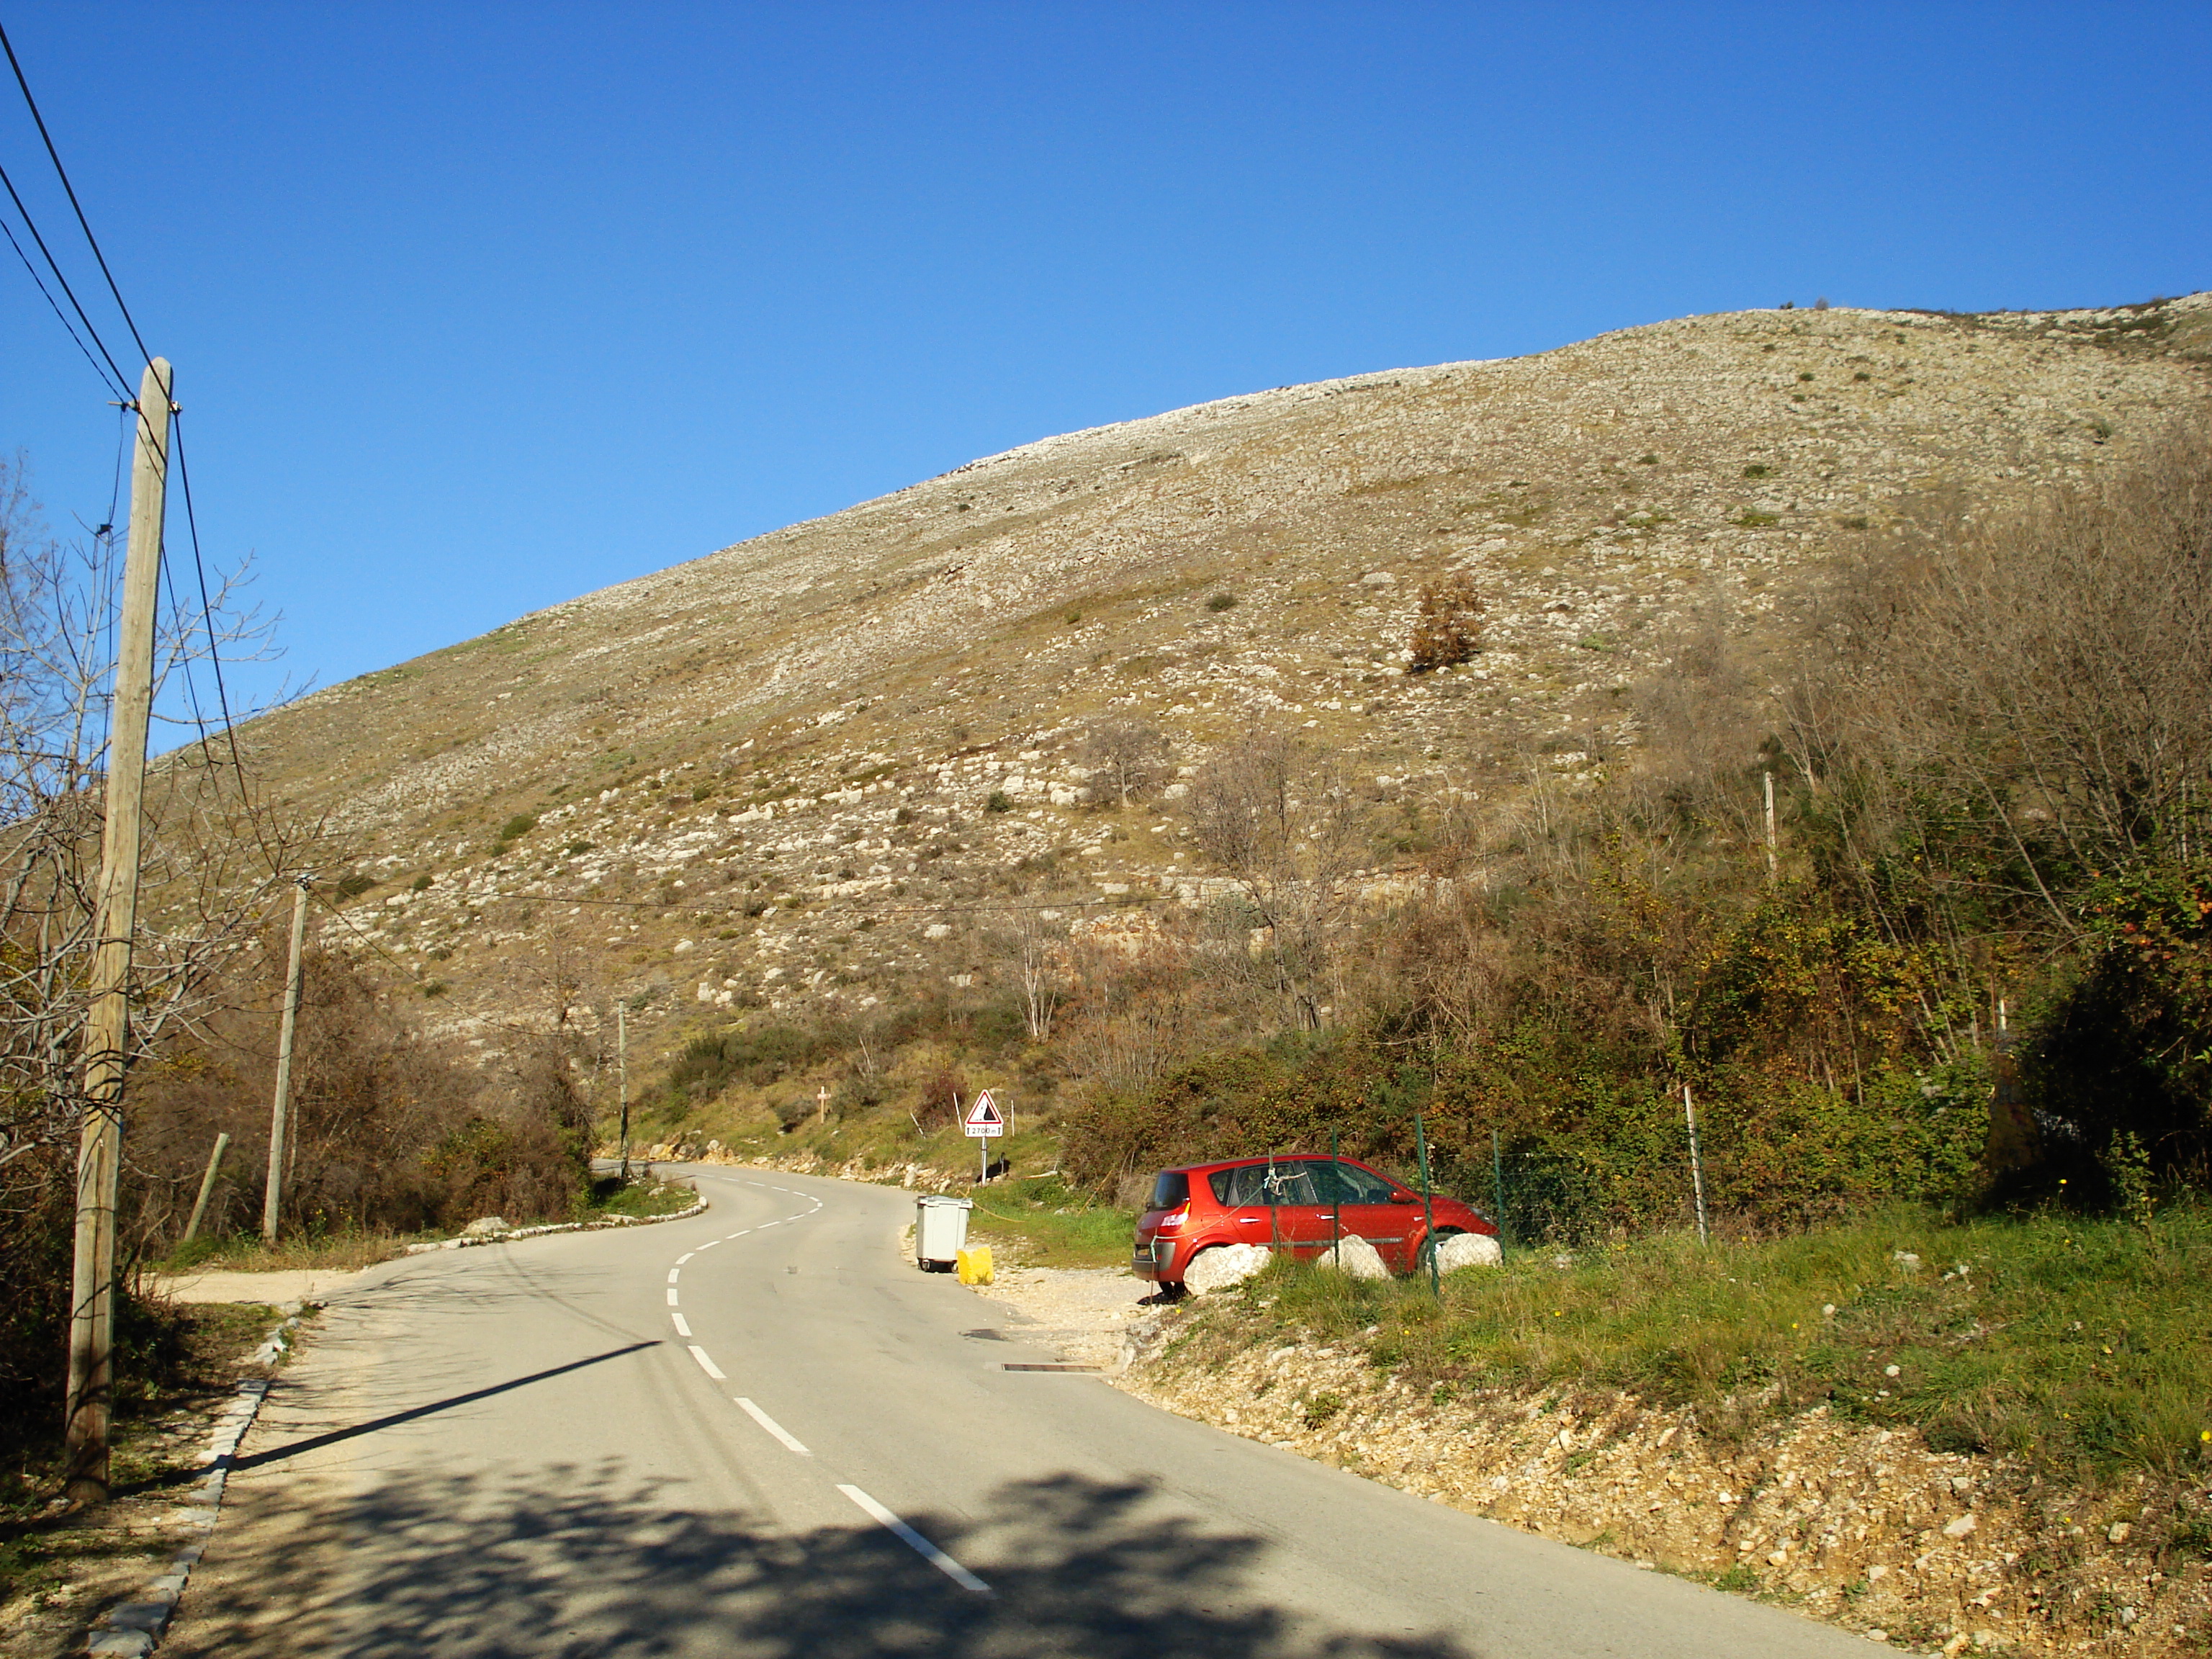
1428, 1208
1498, 1186
1697, 1165
1335, 1205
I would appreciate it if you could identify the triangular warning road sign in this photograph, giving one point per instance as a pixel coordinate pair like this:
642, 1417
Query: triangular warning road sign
983, 1110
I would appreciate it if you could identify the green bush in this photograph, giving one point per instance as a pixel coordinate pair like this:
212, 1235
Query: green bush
757, 1056
1000, 801
517, 827
1221, 602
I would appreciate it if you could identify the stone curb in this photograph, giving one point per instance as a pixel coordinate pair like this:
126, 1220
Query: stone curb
133, 1628
556, 1227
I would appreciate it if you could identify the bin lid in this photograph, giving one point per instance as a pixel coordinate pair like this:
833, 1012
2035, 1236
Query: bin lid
946, 1198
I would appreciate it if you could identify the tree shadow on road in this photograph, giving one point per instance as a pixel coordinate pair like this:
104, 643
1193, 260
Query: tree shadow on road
570, 1563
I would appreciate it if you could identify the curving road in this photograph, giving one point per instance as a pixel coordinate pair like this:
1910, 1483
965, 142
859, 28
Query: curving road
761, 1432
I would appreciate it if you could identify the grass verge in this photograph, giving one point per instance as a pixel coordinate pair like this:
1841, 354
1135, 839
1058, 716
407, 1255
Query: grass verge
610, 1196
1050, 1225
2084, 1348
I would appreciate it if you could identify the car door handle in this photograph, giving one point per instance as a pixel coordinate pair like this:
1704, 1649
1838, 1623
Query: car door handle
1247, 1220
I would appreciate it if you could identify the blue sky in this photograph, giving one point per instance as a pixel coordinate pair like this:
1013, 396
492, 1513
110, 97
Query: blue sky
475, 307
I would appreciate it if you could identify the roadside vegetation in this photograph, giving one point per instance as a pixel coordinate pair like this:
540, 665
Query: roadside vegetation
2080, 1347
174, 1366
1988, 881
1044, 1223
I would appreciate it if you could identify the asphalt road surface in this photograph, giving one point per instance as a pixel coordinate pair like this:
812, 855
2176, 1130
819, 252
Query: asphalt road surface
762, 1433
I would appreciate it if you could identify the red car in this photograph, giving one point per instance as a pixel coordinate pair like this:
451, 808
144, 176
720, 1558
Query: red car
1294, 1201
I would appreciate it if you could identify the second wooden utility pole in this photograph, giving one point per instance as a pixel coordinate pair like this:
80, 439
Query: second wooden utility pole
91, 1397
280, 1115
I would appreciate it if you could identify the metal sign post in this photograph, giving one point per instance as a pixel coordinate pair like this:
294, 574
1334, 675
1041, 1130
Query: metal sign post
982, 1122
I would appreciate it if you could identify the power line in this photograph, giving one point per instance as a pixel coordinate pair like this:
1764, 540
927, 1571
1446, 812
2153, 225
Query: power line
60, 316
207, 622
120, 382
365, 938
62, 173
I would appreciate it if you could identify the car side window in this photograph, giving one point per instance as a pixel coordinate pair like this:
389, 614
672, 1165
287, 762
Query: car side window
1361, 1186
1289, 1180
1234, 1189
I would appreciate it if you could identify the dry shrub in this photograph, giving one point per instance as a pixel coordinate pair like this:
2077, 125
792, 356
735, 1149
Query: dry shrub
1447, 630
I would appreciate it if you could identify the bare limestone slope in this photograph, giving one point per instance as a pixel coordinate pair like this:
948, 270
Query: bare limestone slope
763, 775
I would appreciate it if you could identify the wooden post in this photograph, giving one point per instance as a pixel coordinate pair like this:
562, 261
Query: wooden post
280, 1113
90, 1399
1696, 1164
207, 1185
622, 1073
1773, 853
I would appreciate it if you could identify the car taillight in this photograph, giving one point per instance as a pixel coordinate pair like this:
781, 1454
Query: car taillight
1173, 1219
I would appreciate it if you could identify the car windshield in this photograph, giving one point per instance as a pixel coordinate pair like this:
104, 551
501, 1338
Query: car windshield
1171, 1188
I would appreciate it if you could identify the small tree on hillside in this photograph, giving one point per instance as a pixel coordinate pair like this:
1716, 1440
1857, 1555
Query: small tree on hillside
1130, 752
1446, 632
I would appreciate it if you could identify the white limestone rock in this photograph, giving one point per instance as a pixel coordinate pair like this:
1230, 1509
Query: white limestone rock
1219, 1269
1467, 1250
1356, 1256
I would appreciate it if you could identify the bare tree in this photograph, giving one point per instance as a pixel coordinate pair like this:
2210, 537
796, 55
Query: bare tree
210, 855
1130, 753
2054, 663
1281, 824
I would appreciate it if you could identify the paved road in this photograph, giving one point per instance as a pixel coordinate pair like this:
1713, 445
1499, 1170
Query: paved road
760, 1433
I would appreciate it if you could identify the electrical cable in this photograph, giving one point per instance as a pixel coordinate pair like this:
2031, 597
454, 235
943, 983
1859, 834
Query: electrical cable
207, 620
120, 383
365, 938
62, 173
60, 315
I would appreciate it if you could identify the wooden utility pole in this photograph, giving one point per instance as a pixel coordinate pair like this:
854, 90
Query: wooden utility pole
280, 1115
622, 1075
90, 1399
207, 1185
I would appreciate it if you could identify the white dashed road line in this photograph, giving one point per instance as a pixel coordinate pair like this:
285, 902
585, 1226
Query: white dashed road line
915, 1541
707, 1364
672, 1297
675, 1273
790, 1441
681, 1329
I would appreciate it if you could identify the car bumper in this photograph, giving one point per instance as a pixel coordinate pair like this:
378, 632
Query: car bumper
1155, 1262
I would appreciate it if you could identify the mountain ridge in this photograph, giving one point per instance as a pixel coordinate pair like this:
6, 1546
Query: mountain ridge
844, 695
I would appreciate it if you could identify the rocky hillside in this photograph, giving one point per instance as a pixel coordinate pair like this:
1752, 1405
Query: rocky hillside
769, 775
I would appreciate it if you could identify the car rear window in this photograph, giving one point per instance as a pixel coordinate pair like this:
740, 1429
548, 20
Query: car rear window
1171, 1188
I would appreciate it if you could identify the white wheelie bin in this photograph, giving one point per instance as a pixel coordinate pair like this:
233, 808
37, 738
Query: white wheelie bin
941, 1231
